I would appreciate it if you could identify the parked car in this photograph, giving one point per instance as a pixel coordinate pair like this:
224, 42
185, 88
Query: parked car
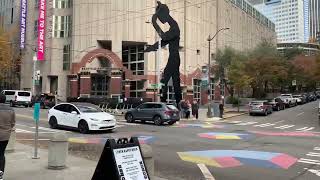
46, 100
82, 116
277, 104
313, 97
288, 100
300, 99
2, 98
260, 107
18, 98
156, 112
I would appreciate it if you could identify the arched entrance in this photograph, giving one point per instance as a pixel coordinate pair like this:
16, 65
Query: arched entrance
98, 74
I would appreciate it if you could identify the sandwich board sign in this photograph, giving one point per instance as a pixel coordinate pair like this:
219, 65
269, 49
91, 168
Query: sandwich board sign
121, 160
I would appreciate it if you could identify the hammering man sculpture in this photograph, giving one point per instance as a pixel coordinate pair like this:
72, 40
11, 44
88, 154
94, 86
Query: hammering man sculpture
171, 37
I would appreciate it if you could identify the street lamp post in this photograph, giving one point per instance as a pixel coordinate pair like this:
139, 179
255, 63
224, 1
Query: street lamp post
209, 114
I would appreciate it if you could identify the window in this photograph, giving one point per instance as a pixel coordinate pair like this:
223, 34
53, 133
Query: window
62, 107
62, 26
61, 4
136, 88
212, 88
10, 93
66, 57
133, 59
197, 89
27, 94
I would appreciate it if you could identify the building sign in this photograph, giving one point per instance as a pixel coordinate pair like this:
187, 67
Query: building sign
23, 22
41, 29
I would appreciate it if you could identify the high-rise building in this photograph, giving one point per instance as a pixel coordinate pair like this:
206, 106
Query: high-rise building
289, 16
314, 19
96, 48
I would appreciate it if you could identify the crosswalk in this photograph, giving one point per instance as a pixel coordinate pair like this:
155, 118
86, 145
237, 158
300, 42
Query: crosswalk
275, 125
312, 158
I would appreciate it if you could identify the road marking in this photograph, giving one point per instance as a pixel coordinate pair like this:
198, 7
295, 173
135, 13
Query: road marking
247, 123
129, 124
305, 129
264, 125
314, 171
284, 127
313, 154
29, 117
309, 161
317, 149
205, 171
300, 114
33, 139
235, 122
22, 131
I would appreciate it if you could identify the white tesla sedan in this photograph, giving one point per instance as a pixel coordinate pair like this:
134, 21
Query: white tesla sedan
83, 116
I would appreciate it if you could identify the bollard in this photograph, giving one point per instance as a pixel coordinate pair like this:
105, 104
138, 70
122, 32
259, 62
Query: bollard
148, 158
12, 141
58, 151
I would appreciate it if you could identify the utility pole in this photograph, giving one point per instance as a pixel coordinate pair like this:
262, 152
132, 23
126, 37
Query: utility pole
185, 42
34, 74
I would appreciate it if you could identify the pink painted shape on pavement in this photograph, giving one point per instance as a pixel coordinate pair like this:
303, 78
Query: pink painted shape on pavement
226, 162
285, 161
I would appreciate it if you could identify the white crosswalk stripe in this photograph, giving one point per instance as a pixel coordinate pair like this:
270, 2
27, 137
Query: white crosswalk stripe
313, 154
317, 149
235, 122
309, 161
22, 131
305, 129
285, 127
264, 125
247, 123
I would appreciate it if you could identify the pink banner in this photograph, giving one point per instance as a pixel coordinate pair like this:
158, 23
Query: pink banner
41, 30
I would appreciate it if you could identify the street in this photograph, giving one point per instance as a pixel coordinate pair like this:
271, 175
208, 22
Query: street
284, 145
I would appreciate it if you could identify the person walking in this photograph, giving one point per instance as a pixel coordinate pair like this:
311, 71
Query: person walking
188, 109
7, 123
221, 108
195, 109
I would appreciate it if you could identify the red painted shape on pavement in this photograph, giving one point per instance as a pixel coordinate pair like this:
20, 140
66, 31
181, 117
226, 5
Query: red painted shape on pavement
284, 161
226, 162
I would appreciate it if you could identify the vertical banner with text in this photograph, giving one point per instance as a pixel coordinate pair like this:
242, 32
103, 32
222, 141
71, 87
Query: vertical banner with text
41, 30
23, 22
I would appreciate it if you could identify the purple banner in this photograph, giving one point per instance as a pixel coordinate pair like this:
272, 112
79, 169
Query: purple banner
23, 23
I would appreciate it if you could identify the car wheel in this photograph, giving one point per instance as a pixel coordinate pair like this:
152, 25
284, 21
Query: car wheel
171, 122
83, 127
53, 122
129, 118
251, 114
11, 104
157, 120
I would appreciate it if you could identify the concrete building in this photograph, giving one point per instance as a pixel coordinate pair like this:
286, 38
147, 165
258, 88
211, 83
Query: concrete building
96, 48
308, 49
314, 19
289, 16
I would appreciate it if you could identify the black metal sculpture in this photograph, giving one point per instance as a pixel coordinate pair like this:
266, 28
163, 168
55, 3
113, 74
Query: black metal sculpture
171, 37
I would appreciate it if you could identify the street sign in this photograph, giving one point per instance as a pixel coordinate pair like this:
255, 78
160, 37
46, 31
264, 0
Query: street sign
155, 86
36, 112
121, 160
294, 82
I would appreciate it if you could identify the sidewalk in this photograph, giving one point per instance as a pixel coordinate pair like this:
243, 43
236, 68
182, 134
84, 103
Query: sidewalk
20, 166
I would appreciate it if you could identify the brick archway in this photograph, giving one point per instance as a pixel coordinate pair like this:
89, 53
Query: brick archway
90, 56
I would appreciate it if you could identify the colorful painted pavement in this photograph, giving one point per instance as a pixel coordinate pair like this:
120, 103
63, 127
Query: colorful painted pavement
100, 140
209, 125
234, 158
225, 136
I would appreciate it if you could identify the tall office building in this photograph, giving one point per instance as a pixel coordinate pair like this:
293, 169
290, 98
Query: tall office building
314, 19
289, 16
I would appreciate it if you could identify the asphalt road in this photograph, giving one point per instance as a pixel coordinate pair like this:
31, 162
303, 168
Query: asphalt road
282, 146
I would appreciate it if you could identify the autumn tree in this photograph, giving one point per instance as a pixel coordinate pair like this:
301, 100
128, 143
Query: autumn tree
5, 54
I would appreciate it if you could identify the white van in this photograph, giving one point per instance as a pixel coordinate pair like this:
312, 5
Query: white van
17, 97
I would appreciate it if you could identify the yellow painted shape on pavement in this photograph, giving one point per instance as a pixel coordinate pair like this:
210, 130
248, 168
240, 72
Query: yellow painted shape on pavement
227, 137
77, 140
198, 160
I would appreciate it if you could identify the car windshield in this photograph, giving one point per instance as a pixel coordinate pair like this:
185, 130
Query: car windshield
297, 96
24, 94
89, 109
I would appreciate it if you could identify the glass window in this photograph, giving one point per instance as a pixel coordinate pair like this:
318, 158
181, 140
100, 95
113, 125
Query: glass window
62, 26
133, 58
9, 93
66, 57
89, 109
196, 89
136, 88
62, 4
27, 94
62, 107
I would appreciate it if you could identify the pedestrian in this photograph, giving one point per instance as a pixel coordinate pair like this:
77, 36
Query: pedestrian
221, 108
7, 123
188, 109
195, 109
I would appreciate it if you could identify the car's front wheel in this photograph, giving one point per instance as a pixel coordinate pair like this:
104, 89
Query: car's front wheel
129, 118
53, 122
171, 122
83, 127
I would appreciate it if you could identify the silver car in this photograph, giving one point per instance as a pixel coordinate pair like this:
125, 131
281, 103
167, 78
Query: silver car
260, 107
156, 112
